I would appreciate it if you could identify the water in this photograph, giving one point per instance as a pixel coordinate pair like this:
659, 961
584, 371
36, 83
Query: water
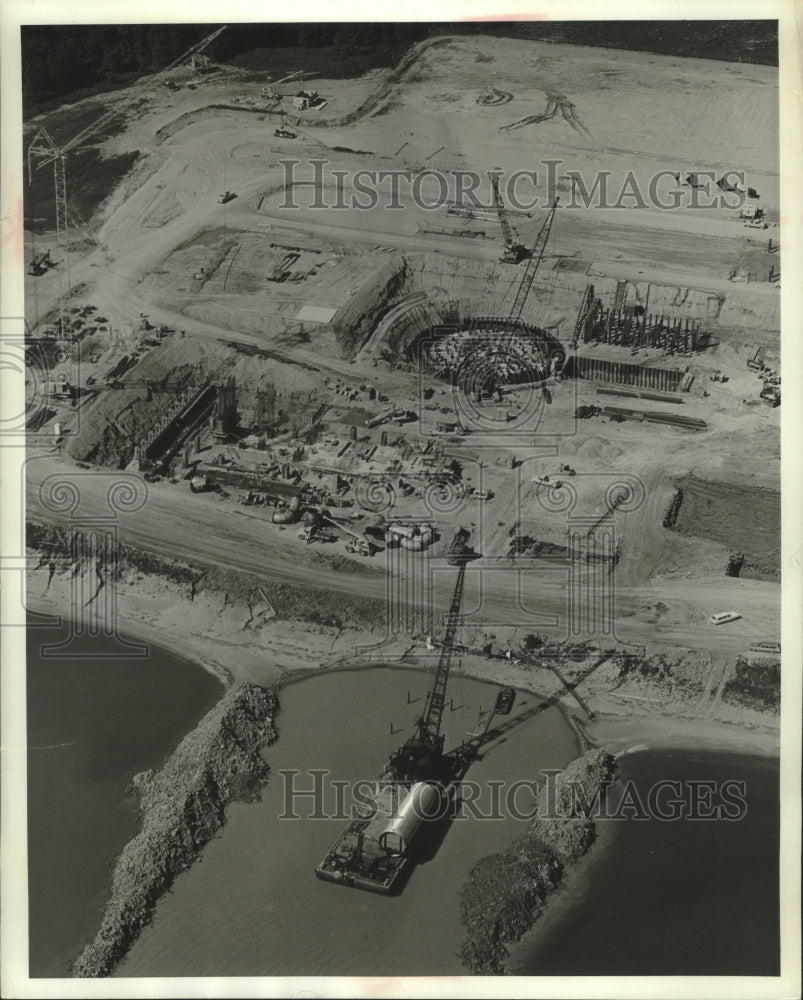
92, 725
651, 899
253, 906
680, 898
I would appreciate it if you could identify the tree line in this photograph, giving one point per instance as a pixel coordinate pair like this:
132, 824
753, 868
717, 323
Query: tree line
59, 61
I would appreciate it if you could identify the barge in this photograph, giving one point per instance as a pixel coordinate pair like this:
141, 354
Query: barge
377, 849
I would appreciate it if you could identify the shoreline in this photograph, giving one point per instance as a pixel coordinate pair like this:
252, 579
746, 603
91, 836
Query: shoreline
622, 723
506, 894
619, 726
182, 806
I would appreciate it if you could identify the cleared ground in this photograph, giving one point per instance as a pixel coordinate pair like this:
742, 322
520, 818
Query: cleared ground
315, 289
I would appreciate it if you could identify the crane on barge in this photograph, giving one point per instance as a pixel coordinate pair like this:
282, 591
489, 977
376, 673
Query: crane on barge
372, 853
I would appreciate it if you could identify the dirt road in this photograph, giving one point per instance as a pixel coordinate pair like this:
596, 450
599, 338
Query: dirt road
673, 612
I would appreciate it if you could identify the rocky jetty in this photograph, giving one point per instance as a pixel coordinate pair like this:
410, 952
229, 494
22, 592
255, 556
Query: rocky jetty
183, 805
506, 892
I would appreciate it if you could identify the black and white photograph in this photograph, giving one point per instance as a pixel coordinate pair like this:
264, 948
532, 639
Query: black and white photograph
401, 501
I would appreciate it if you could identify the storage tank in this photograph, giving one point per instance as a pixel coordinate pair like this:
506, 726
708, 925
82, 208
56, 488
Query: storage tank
422, 803
417, 543
404, 530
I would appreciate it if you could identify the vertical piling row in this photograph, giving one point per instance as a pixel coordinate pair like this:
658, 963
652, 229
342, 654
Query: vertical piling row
624, 328
638, 376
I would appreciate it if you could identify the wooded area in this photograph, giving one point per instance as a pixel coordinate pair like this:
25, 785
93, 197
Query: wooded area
62, 61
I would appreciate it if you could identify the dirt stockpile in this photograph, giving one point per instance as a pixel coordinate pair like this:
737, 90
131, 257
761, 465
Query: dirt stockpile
183, 805
746, 519
505, 892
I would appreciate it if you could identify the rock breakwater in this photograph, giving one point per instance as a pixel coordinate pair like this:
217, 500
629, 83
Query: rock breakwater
506, 892
183, 805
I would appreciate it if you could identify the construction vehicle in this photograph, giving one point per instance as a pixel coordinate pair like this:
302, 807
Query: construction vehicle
308, 534
200, 484
458, 551
506, 698
269, 92
475, 494
548, 482
748, 211
771, 394
725, 185
356, 544
514, 251
723, 617
535, 257
769, 648
755, 364
226, 196
284, 133
40, 263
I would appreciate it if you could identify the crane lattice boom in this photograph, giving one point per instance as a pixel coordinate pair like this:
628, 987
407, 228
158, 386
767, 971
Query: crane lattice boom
526, 282
430, 725
193, 51
44, 150
507, 229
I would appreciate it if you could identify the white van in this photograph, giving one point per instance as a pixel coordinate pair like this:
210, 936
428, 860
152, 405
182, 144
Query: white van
724, 616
